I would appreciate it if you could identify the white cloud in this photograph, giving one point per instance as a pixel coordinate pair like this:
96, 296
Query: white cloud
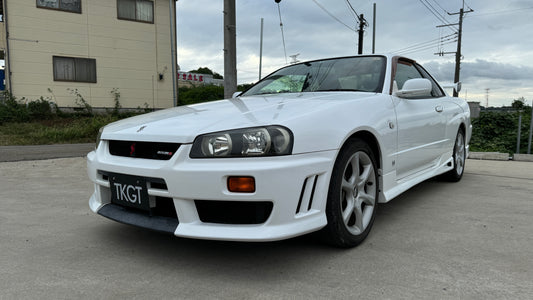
497, 38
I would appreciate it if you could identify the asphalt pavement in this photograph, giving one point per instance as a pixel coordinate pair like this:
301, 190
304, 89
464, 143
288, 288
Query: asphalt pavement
439, 240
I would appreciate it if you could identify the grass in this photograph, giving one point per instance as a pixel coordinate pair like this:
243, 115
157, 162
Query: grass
71, 130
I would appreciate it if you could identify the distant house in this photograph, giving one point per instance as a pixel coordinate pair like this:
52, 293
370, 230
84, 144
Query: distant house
51, 48
188, 79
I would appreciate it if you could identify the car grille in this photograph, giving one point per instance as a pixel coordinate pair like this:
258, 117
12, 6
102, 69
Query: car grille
146, 150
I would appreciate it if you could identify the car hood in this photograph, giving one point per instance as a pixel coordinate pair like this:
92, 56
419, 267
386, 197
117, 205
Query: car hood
182, 124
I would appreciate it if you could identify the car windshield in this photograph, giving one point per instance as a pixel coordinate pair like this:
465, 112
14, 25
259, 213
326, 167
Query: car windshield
362, 73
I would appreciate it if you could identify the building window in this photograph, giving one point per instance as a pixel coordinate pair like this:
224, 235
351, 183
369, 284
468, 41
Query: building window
65, 5
74, 69
136, 10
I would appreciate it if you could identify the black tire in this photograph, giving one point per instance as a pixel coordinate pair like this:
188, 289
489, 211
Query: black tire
459, 159
352, 197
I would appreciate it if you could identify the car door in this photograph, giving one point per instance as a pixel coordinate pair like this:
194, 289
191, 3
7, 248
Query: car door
421, 124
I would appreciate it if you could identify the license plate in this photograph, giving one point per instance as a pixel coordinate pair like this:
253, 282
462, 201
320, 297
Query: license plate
131, 191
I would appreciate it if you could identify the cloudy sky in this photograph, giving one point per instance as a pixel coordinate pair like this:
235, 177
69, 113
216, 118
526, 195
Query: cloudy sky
497, 38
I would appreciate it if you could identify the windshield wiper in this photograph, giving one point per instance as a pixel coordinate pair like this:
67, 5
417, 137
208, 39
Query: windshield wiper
340, 90
273, 92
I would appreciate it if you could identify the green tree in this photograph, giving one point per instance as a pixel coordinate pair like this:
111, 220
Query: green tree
519, 103
244, 86
206, 70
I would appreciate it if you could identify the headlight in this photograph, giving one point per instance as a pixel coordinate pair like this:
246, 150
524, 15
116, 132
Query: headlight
98, 137
246, 142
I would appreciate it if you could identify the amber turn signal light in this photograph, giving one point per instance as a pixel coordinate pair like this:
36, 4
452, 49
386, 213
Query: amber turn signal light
241, 184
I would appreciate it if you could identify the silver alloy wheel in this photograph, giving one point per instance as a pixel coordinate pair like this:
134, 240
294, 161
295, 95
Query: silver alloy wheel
459, 151
358, 193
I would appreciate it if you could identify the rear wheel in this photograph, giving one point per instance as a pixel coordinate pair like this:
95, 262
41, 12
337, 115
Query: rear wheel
353, 195
459, 158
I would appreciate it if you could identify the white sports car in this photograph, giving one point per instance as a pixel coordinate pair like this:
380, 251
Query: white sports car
313, 146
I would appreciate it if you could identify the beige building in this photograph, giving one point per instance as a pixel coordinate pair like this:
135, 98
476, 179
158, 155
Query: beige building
51, 48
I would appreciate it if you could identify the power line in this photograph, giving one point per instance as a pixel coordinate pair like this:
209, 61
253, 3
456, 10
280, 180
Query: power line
352, 12
426, 47
432, 43
501, 12
433, 11
428, 42
440, 6
436, 12
469, 8
352, 9
331, 15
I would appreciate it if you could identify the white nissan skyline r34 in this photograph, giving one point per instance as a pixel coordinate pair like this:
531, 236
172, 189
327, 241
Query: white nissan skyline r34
313, 146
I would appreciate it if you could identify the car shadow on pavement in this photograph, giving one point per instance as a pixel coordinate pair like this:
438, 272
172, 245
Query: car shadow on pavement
233, 259
246, 258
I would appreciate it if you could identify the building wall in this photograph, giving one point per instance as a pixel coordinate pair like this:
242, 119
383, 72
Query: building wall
129, 55
2, 28
475, 109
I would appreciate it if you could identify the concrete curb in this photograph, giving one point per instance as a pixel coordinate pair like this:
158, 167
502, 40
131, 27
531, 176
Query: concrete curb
38, 152
488, 156
500, 156
523, 157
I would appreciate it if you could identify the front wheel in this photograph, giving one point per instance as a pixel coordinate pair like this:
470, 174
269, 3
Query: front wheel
353, 195
459, 158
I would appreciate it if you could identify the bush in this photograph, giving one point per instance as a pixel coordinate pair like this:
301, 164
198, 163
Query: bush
496, 131
83, 106
205, 93
13, 111
40, 109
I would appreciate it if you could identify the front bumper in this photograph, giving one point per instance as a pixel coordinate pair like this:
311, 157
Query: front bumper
295, 185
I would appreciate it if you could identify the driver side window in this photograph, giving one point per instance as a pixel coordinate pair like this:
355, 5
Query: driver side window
407, 70
404, 72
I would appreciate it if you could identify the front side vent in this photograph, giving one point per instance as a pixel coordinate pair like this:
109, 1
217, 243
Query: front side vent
307, 194
146, 150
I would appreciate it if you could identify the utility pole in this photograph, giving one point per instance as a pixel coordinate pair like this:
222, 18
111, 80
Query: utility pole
173, 47
374, 30
230, 49
361, 31
261, 50
458, 54
530, 131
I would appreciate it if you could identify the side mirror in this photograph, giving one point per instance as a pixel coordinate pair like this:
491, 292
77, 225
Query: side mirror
415, 88
236, 94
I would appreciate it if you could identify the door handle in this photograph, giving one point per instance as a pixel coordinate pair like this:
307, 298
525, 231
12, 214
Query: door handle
439, 108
